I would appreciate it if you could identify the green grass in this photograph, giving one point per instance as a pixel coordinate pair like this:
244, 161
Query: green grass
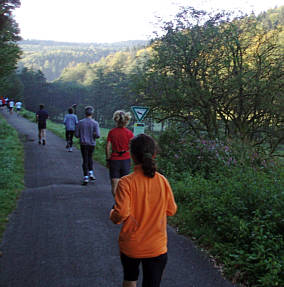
12, 171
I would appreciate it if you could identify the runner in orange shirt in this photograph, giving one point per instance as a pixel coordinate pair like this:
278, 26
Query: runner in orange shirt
143, 199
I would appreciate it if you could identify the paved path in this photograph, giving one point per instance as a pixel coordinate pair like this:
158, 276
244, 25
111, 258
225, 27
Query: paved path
60, 234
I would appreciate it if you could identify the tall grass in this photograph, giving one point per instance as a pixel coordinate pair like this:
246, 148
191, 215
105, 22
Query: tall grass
12, 171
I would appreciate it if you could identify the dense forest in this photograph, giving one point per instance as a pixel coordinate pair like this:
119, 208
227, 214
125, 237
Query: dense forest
51, 58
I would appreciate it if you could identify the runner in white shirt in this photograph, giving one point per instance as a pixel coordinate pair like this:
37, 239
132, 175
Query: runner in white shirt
18, 107
11, 106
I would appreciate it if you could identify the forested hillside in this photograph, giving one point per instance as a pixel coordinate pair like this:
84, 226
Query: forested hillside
207, 61
52, 57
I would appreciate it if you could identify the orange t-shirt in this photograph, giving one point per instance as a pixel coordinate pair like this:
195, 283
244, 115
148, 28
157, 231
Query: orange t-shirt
142, 205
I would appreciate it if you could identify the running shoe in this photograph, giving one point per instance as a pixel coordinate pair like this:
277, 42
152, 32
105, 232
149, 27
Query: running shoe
43, 142
91, 175
85, 180
70, 149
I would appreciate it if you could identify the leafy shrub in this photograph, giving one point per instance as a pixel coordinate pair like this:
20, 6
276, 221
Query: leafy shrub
182, 152
239, 219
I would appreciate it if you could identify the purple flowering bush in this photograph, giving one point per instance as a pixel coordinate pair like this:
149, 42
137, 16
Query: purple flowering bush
181, 153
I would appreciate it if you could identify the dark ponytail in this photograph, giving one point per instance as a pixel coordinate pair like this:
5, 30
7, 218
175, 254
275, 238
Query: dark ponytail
143, 147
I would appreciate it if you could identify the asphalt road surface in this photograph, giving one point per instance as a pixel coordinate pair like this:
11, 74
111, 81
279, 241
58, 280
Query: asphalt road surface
60, 234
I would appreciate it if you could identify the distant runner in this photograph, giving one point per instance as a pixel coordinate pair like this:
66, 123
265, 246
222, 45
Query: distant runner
88, 131
7, 103
70, 122
18, 107
11, 106
41, 117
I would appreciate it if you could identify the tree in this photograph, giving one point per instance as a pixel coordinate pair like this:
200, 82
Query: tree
35, 89
108, 93
14, 88
250, 105
9, 35
217, 76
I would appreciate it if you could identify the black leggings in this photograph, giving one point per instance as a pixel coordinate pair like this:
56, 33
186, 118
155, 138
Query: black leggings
87, 155
152, 269
69, 137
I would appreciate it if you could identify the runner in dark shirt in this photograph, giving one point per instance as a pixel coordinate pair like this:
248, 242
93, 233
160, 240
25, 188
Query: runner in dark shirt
41, 117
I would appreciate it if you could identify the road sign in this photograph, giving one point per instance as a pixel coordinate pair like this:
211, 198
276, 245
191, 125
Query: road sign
139, 128
139, 112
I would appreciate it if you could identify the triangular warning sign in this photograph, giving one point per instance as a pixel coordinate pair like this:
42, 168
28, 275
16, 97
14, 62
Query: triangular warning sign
140, 112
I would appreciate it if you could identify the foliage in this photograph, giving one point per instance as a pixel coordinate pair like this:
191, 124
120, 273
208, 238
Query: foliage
272, 18
206, 156
33, 90
52, 57
239, 219
9, 50
104, 85
218, 76
12, 171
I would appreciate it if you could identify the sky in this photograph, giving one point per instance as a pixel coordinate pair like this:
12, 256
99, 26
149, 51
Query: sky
107, 21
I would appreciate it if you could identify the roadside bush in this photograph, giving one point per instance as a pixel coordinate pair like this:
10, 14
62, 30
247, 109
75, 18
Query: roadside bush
239, 219
180, 152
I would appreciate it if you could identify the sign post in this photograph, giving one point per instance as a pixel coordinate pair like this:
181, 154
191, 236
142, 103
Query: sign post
139, 113
139, 128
